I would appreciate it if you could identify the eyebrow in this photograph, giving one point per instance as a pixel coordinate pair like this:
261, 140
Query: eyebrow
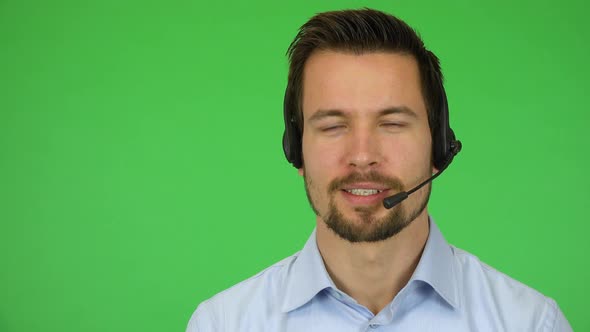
398, 110
322, 114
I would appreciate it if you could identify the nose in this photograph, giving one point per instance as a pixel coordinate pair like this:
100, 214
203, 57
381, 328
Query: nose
364, 150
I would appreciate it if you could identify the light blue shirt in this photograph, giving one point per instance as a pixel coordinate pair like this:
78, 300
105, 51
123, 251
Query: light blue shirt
450, 290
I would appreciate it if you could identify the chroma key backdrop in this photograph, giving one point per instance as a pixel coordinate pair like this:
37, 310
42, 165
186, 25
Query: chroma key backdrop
141, 168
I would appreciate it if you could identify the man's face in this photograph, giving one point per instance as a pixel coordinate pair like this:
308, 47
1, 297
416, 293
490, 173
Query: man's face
366, 136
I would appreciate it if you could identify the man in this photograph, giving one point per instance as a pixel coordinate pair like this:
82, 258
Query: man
366, 119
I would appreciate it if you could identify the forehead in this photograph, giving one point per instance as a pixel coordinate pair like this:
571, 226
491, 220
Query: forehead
361, 84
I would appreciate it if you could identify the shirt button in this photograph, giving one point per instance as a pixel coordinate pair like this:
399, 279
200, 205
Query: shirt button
373, 326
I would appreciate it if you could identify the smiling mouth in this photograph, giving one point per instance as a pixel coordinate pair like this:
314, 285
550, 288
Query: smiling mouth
363, 192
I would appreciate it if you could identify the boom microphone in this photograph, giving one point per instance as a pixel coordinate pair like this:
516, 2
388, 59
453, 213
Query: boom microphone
394, 200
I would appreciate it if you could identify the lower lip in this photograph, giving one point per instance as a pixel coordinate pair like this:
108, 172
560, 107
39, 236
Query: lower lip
365, 200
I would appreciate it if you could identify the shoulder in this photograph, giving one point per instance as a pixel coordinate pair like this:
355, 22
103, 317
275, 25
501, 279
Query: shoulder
245, 299
492, 295
474, 272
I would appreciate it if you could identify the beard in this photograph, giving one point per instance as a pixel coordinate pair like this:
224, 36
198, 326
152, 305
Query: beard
371, 228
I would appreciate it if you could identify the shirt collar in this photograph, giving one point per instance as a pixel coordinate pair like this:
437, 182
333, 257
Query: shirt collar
437, 266
307, 276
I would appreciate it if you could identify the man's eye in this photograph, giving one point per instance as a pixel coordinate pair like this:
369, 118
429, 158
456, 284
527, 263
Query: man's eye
332, 128
393, 124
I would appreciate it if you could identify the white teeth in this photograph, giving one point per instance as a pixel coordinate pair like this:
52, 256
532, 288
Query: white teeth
363, 192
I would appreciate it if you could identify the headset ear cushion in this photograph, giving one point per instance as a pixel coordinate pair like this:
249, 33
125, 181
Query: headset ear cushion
295, 145
448, 149
439, 147
291, 135
443, 134
292, 144
286, 148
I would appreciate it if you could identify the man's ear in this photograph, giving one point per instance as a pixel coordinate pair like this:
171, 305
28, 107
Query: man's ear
300, 171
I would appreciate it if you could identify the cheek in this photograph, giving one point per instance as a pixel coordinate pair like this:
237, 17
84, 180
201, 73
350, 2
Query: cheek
412, 152
321, 167
320, 156
422, 153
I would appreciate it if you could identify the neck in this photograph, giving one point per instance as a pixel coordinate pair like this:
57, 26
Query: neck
373, 272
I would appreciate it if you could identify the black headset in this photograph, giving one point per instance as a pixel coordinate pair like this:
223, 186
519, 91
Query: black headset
444, 144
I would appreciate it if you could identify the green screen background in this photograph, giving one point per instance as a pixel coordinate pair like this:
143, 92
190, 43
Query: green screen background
141, 169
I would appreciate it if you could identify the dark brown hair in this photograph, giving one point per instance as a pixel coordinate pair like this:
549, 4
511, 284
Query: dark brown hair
360, 31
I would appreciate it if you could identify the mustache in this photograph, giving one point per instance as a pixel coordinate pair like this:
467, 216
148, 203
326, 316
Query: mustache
373, 176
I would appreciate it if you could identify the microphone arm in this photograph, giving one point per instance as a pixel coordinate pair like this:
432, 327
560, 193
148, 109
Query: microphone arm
394, 200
